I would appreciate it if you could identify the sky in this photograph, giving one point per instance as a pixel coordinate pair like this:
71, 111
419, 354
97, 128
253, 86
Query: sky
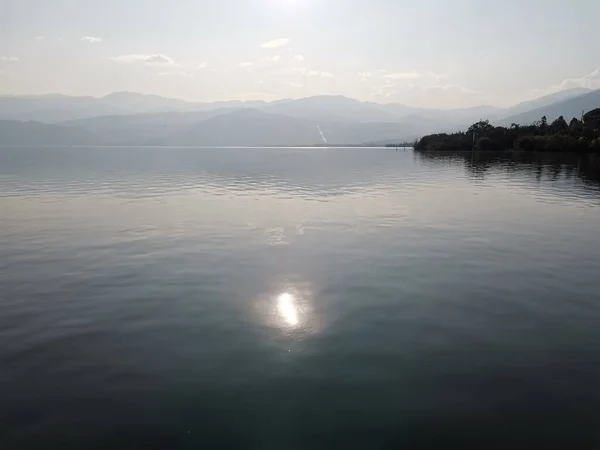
425, 53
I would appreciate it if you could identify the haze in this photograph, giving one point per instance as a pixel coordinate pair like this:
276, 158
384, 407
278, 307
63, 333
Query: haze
431, 53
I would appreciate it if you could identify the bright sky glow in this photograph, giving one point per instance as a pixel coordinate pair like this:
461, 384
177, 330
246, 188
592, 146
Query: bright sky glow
432, 53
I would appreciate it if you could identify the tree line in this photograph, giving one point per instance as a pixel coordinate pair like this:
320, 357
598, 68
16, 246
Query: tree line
400, 144
581, 136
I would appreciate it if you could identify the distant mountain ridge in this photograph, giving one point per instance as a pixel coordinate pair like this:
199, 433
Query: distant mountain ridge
141, 129
569, 108
57, 108
253, 127
334, 120
35, 133
546, 100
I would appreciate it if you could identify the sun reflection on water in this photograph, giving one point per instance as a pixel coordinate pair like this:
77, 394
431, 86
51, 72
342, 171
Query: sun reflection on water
288, 309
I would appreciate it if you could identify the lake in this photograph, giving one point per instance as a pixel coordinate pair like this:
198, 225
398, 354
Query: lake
282, 298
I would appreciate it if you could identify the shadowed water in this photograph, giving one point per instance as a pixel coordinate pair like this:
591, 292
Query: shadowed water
298, 298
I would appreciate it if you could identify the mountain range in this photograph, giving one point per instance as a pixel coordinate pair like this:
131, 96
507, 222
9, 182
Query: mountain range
127, 118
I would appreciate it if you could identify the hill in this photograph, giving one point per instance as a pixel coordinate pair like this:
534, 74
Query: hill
57, 108
35, 133
336, 108
223, 127
139, 129
248, 127
52, 108
544, 101
336, 120
251, 127
569, 108
325, 108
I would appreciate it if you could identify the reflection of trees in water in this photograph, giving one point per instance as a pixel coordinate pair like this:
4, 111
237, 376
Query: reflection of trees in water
541, 166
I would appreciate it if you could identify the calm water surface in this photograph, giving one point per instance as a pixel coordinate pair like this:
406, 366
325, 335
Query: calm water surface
297, 298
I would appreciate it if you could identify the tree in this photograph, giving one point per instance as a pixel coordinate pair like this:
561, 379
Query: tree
559, 124
541, 136
481, 127
592, 118
543, 125
526, 143
485, 143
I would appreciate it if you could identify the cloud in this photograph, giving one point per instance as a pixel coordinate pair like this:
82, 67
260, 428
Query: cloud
450, 87
365, 76
291, 84
202, 65
181, 73
402, 76
306, 72
246, 64
299, 57
272, 58
156, 59
385, 90
301, 70
91, 39
455, 89
429, 96
316, 73
9, 58
437, 76
276, 43
590, 81
441, 88
39, 38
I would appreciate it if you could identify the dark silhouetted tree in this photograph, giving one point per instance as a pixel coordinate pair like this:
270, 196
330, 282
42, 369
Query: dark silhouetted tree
482, 126
485, 143
556, 137
543, 125
559, 125
592, 118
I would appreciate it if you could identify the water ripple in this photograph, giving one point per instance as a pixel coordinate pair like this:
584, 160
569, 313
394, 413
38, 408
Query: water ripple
309, 298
